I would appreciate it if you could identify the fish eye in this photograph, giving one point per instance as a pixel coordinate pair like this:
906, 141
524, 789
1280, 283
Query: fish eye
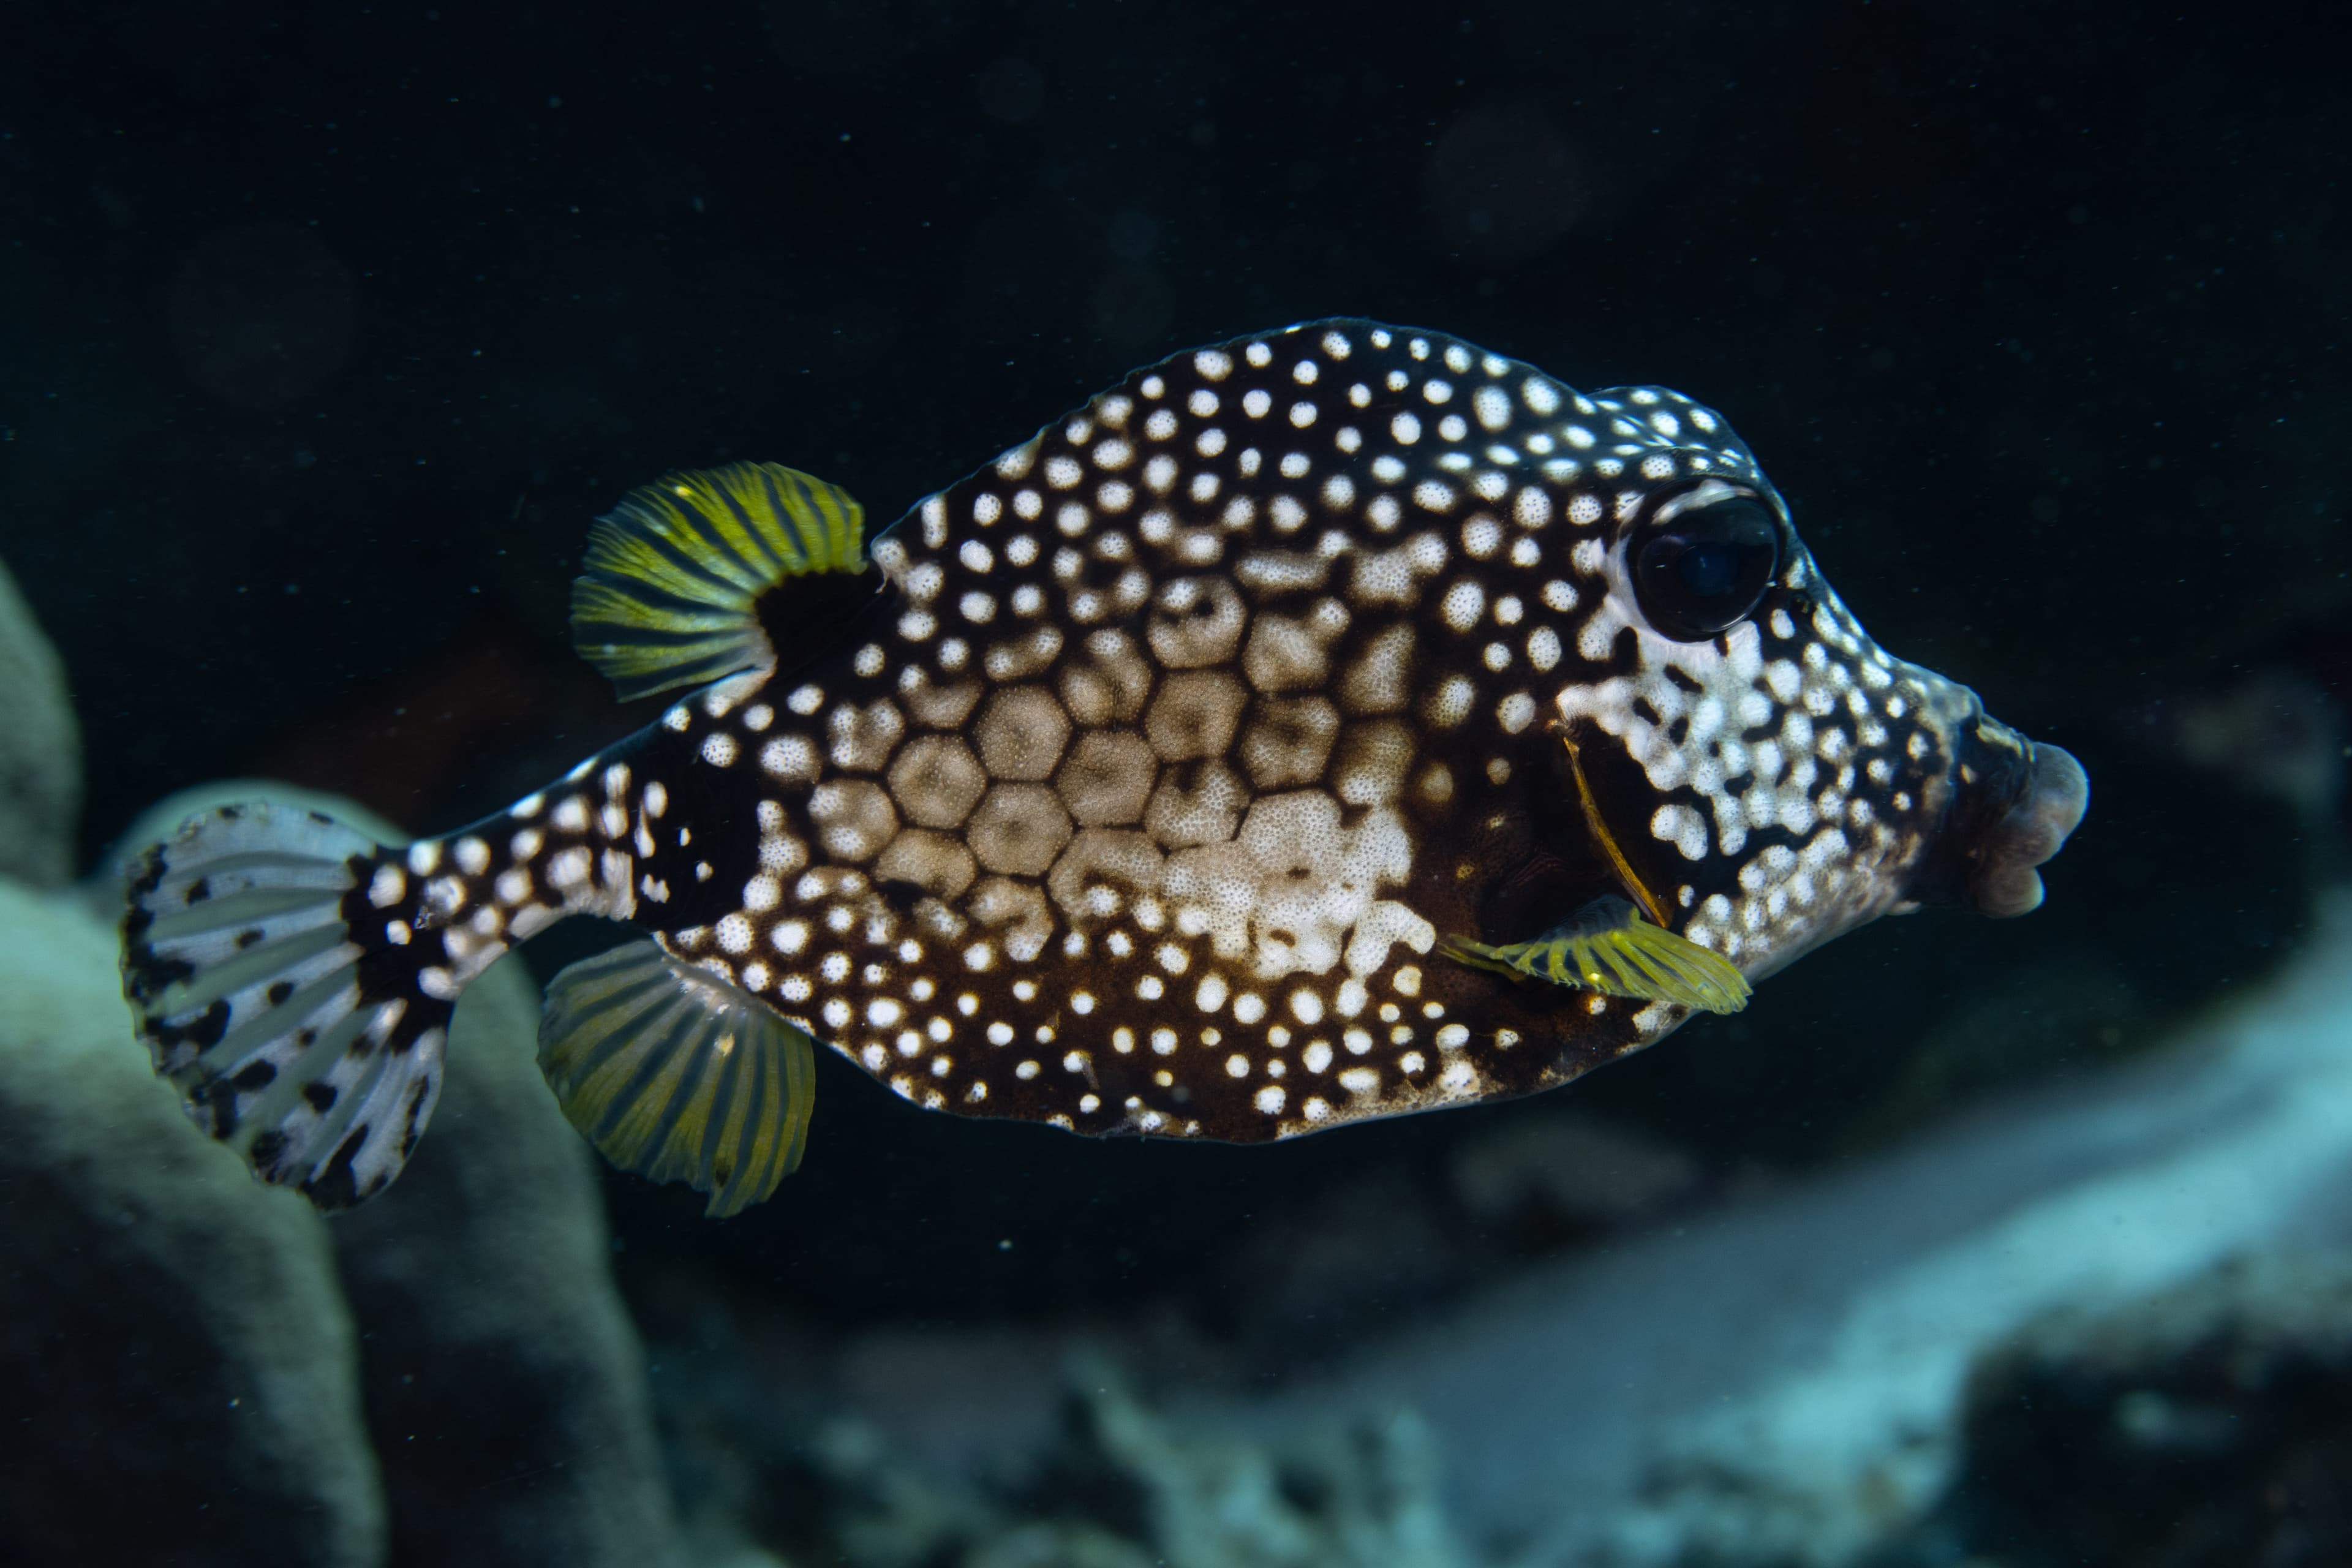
1702, 569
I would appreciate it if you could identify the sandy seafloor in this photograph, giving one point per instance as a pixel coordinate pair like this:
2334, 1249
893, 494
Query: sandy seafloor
1969, 1242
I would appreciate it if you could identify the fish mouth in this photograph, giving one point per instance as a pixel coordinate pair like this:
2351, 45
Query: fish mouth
2007, 880
2014, 803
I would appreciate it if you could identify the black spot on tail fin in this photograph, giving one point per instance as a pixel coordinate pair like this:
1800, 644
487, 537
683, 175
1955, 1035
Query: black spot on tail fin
274, 963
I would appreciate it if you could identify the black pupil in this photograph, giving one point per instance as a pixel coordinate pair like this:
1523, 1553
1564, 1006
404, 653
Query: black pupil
1710, 571
1705, 570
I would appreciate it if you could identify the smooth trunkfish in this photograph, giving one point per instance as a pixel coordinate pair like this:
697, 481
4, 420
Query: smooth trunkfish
1332, 723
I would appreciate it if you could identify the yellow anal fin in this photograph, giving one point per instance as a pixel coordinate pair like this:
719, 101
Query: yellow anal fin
678, 1075
667, 592
1610, 948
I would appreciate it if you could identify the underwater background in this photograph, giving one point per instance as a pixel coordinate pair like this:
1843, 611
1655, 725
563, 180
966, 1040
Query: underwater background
327, 332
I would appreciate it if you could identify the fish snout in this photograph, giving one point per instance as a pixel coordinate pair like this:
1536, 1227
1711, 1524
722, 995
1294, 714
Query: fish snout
2014, 801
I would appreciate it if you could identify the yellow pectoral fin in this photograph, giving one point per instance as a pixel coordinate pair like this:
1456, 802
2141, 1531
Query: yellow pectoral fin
1631, 958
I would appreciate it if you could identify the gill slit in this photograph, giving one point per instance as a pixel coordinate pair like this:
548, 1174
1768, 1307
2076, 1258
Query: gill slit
1601, 836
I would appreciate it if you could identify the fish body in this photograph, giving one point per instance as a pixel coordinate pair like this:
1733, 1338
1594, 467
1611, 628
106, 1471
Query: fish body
1218, 762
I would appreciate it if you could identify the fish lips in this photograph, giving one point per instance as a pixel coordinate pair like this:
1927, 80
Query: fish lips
2014, 803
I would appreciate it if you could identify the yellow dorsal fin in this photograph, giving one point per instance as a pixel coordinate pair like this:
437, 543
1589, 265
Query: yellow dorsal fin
669, 591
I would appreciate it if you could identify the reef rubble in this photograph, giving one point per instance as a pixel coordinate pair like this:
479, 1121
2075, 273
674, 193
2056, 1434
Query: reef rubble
1786, 1381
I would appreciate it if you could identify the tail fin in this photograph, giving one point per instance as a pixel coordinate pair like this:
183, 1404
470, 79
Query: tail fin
274, 961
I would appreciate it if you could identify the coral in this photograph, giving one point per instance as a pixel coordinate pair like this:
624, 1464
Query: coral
2205, 1426
1119, 1484
505, 1386
183, 1373
41, 750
